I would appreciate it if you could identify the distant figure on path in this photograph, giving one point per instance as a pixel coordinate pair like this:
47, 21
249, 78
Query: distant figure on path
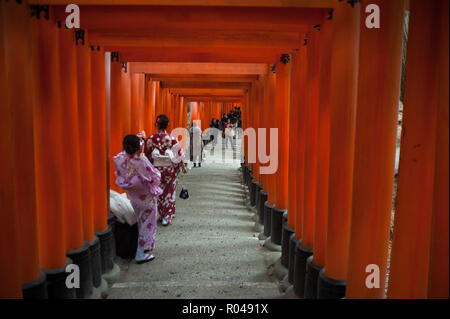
169, 150
196, 144
229, 134
136, 175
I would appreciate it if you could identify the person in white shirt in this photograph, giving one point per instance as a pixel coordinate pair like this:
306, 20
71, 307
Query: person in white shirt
229, 133
196, 144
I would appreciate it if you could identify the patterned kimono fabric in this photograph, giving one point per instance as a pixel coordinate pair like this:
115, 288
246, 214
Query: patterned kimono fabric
136, 175
163, 142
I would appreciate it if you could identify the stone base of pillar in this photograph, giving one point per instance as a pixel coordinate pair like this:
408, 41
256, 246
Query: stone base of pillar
328, 288
83, 259
245, 174
301, 255
268, 243
252, 191
107, 249
112, 221
258, 227
292, 245
290, 294
258, 189
277, 225
260, 208
249, 178
112, 275
267, 219
36, 289
103, 286
285, 238
251, 209
280, 270
261, 236
56, 283
96, 262
312, 276
284, 284
97, 292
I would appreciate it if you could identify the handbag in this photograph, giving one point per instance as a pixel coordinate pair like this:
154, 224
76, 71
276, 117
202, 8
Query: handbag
184, 194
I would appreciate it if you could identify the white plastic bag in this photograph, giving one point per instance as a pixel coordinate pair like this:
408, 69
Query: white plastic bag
121, 207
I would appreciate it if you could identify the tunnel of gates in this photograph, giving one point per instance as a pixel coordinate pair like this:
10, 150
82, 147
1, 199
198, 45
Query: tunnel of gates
311, 69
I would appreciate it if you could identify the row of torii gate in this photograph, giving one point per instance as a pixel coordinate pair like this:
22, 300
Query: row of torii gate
310, 68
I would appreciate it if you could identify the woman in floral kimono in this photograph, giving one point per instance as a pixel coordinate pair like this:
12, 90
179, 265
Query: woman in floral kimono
165, 145
136, 175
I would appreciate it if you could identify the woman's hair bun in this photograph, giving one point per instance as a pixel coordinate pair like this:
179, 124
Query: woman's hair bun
162, 121
131, 144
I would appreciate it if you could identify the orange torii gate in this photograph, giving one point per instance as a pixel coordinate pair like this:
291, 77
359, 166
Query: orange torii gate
307, 68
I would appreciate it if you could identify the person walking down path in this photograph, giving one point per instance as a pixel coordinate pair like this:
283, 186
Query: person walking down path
136, 175
171, 157
196, 144
211, 252
229, 134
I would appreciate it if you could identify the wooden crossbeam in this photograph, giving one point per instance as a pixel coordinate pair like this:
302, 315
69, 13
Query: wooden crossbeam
200, 3
195, 54
204, 85
198, 39
204, 77
199, 68
208, 92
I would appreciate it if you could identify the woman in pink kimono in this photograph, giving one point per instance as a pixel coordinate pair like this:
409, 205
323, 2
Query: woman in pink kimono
166, 146
136, 175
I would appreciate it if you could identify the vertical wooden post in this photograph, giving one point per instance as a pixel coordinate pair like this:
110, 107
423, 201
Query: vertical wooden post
175, 111
10, 270
304, 247
289, 227
410, 256
152, 106
126, 100
316, 262
73, 204
141, 102
438, 275
261, 124
158, 100
115, 122
265, 180
146, 104
99, 139
343, 96
108, 94
48, 139
85, 135
255, 124
311, 130
375, 143
271, 88
323, 147
293, 133
134, 111
18, 57
283, 78
301, 139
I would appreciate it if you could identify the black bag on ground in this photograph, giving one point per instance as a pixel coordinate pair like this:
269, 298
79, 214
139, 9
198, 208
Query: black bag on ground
126, 238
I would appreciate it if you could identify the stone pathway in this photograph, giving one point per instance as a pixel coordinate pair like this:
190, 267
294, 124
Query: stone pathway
211, 249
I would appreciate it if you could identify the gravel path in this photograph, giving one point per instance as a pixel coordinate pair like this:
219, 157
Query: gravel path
210, 250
